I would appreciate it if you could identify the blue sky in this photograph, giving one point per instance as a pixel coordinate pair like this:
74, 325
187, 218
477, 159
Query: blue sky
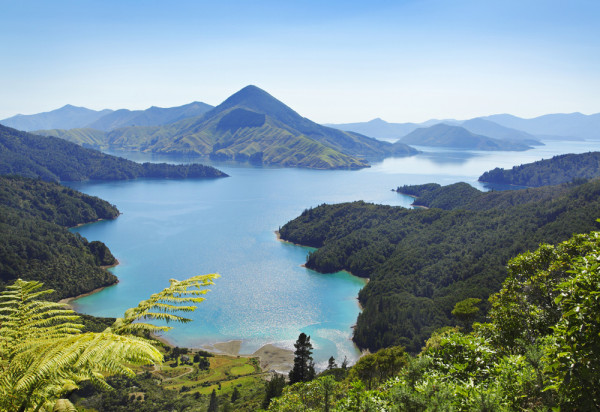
333, 62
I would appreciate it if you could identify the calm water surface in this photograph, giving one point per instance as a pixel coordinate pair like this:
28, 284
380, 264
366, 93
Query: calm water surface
179, 228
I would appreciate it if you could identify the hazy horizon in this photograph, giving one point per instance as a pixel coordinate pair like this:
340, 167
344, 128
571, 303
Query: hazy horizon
337, 62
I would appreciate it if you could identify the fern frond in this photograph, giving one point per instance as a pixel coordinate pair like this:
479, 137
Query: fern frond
165, 302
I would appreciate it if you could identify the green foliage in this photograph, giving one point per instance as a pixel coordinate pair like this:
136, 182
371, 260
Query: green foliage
466, 311
546, 358
576, 351
374, 369
304, 367
576, 168
250, 126
316, 395
53, 159
44, 355
160, 306
36, 245
273, 388
422, 262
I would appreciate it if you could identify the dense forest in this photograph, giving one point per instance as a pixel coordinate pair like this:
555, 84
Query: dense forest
559, 169
422, 262
537, 351
36, 244
54, 159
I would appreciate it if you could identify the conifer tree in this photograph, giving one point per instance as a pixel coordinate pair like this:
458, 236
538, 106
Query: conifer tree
331, 364
304, 367
213, 405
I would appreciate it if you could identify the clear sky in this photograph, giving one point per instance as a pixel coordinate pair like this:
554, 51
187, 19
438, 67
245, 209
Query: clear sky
331, 61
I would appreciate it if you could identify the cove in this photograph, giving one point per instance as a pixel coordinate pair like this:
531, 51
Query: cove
179, 228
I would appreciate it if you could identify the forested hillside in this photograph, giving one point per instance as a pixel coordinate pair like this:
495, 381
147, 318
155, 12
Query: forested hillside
36, 245
422, 262
539, 349
53, 159
559, 169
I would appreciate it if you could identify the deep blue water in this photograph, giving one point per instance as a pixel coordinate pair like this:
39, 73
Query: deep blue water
179, 228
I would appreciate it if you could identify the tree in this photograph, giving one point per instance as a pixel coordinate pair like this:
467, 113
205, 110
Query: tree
273, 389
304, 367
235, 395
465, 311
44, 355
331, 364
213, 405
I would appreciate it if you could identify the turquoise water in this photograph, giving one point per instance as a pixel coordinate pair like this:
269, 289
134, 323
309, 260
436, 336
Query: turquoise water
179, 228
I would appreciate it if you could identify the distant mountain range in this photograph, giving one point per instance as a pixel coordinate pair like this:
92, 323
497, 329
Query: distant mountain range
457, 137
574, 126
250, 126
71, 117
67, 117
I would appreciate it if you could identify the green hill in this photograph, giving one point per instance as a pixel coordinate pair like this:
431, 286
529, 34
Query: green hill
422, 262
36, 245
250, 126
55, 159
456, 137
559, 169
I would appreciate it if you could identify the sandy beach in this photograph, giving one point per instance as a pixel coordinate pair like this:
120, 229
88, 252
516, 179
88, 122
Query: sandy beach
271, 357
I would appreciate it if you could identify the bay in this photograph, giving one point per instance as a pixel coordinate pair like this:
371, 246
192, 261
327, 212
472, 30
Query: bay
179, 228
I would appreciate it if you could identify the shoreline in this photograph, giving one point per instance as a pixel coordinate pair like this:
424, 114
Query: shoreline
278, 235
100, 219
272, 358
414, 197
67, 301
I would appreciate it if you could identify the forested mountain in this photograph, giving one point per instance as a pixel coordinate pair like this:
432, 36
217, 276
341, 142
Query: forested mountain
443, 135
152, 116
54, 159
422, 262
250, 126
67, 117
560, 124
554, 171
539, 349
36, 245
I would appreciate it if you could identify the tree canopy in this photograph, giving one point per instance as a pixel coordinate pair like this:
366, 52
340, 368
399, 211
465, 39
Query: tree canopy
36, 243
422, 262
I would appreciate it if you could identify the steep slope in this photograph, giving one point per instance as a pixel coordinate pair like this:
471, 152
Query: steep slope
495, 131
54, 159
67, 117
36, 245
443, 135
422, 262
253, 126
153, 116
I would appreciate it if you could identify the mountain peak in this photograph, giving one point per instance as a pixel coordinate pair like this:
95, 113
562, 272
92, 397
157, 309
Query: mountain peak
247, 94
255, 99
